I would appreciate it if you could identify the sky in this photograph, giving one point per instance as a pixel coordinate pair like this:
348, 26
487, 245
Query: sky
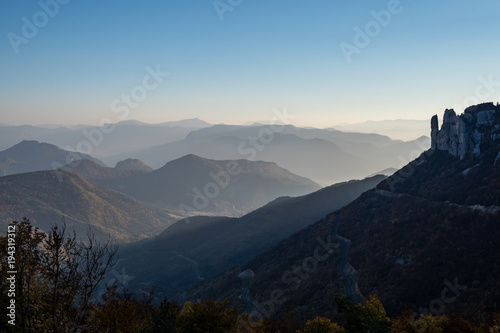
237, 61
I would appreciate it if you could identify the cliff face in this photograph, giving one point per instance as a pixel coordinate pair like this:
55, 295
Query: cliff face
464, 134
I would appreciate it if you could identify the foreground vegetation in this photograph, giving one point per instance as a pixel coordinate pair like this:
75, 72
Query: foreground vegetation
58, 276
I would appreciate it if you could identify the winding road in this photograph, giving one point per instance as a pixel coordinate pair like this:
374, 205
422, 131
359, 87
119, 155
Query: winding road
196, 270
345, 268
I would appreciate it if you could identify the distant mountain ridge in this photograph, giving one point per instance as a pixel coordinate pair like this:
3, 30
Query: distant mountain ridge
104, 141
397, 129
325, 156
191, 123
330, 156
195, 185
189, 185
29, 156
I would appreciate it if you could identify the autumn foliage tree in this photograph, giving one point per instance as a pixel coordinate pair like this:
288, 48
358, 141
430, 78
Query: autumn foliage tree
120, 312
57, 276
321, 325
207, 316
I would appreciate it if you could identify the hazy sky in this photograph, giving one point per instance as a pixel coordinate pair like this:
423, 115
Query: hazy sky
234, 61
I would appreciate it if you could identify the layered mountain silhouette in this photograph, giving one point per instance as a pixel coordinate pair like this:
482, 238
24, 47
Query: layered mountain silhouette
48, 196
426, 238
403, 129
217, 243
28, 156
325, 156
108, 140
194, 185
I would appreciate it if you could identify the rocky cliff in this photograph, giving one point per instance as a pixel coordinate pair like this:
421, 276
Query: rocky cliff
465, 134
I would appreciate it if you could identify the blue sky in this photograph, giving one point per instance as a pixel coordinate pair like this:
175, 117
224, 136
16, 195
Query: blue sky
263, 55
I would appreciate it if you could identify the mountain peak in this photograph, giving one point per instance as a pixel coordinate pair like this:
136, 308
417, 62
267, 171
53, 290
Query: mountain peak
464, 134
132, 164
192, 122
31, 155
29, 143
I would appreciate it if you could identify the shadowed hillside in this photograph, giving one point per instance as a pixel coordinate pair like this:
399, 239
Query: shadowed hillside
212, 245
429, 230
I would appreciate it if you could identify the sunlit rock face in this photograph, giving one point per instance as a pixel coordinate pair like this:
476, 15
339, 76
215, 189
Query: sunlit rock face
463, 135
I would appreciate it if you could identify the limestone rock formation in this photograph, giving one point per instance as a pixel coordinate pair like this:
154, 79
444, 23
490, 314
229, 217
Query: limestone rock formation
464, 134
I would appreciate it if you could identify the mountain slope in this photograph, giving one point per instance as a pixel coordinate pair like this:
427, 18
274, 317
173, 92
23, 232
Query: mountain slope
193, 184
426, 238
216, 243
45, 199
96, 173
29, 156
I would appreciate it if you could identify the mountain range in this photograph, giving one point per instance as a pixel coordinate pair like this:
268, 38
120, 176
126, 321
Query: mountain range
103, 141
221, 211
82, 191
194, 185
325, 156
424, 238
398, 129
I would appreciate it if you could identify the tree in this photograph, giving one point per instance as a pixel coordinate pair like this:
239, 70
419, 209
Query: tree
164, 317
120, 312
73, 270
56, 276
321, 325
61, 271
368, 316
207, 317
95, 261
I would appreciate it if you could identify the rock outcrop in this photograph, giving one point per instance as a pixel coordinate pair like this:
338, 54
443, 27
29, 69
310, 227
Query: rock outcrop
464, 134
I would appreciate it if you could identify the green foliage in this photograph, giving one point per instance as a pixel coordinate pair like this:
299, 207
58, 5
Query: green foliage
207, 317
164, 317
409, 323
321, 325
121, 313
424, 324
368, 316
